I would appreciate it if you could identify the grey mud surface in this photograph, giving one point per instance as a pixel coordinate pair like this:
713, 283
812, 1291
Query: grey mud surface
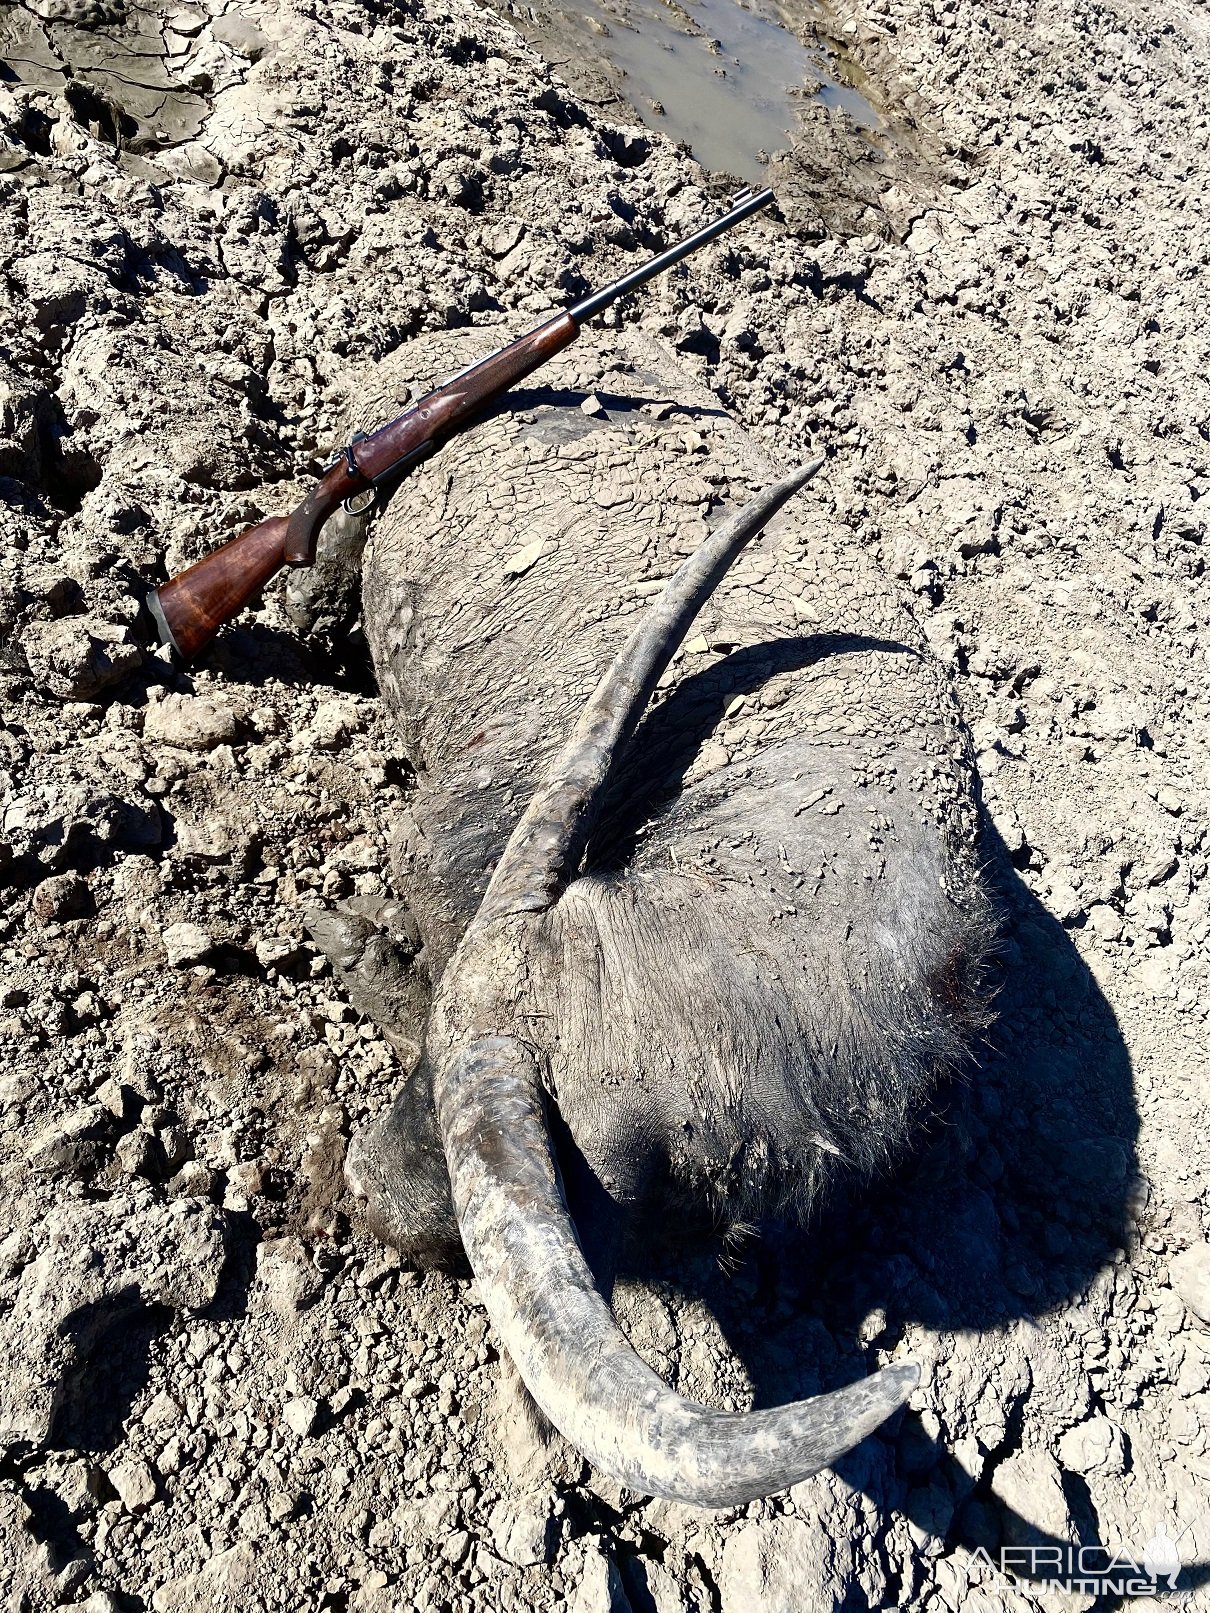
217, 1390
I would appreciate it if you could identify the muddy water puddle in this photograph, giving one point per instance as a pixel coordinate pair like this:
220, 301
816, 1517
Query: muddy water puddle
726, 77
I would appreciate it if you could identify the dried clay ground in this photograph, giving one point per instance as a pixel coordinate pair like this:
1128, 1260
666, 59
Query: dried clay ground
216, 1390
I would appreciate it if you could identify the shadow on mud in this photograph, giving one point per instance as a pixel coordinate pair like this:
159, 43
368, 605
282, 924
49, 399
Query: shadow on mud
100, 1388
116, 1344
570, 421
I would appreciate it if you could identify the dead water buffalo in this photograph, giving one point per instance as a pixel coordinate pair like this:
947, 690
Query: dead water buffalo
712, 921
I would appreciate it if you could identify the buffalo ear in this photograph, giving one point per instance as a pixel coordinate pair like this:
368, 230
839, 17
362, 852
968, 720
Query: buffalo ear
397, 1165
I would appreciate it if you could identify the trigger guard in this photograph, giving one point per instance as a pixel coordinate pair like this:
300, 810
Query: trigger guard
360, 502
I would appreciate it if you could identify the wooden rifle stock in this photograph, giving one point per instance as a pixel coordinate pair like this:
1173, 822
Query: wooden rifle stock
191, 608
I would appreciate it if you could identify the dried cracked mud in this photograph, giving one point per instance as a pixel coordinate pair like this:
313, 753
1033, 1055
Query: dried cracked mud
218, 1390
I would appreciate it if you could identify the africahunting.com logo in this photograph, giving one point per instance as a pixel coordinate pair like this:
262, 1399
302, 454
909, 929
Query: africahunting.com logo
1090, 1570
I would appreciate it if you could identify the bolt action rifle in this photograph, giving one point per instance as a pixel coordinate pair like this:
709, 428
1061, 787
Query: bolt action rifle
190, 608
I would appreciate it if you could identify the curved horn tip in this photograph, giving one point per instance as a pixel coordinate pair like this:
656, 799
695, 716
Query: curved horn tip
805, 472
900, 1380
776, 493
815, 1435
907, 1372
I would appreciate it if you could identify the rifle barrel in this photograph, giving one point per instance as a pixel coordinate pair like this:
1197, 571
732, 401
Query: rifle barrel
597, 301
